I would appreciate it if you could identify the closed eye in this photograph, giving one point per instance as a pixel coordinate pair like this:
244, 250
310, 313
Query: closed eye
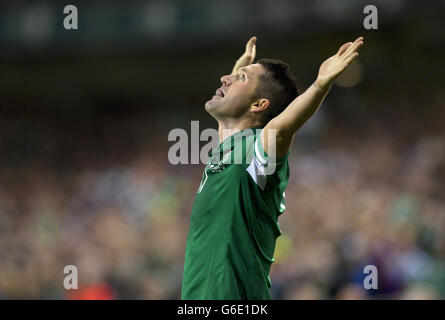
241, 77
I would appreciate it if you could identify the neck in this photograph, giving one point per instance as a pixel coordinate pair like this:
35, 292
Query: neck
229, 127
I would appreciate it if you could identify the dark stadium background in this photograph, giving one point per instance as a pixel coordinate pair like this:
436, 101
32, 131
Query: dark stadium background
84, 119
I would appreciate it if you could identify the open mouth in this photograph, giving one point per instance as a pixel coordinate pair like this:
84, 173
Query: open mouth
219, 93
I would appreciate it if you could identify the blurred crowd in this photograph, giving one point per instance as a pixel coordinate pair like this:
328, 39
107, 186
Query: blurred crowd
351, 202
372, 204
84, 121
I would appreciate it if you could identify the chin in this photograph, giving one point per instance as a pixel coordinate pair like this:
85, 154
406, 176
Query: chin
211, 105
208, 107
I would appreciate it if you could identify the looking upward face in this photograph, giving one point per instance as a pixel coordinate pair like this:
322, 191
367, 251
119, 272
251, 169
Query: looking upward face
234, 97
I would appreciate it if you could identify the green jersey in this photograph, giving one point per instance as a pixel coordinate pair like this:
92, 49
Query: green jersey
234, 221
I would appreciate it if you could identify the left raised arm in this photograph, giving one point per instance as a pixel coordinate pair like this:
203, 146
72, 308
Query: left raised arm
247, 57
305, 105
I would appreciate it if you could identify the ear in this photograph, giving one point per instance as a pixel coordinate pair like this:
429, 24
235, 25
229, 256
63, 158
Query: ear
260, 105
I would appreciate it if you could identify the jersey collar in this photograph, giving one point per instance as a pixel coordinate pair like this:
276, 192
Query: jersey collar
229, 143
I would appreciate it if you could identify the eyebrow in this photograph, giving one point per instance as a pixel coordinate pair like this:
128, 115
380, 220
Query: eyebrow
244, 69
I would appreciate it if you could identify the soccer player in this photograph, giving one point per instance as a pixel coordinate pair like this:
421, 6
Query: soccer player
234, 220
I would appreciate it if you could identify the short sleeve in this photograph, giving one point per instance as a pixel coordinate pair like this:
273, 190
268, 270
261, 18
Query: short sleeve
264, 167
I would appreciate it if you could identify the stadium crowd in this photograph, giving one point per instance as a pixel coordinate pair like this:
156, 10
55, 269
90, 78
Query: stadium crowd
84, 172
351, 202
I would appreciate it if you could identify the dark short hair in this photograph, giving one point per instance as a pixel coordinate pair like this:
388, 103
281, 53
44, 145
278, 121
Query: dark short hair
277, 84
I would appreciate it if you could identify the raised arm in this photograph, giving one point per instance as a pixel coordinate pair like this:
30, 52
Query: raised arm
247, 57
305, 105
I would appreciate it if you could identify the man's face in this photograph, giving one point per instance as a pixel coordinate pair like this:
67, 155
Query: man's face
234, 97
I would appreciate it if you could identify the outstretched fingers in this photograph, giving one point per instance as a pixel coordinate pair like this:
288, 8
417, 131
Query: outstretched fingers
251, 47
253, 53
351, 58
354, 47
343, 48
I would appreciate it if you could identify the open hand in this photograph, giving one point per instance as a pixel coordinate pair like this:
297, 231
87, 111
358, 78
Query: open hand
248, 56
334, 66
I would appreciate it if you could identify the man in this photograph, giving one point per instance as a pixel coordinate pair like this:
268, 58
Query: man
234, 221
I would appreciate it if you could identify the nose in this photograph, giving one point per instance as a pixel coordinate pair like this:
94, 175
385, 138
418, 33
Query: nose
226, 80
